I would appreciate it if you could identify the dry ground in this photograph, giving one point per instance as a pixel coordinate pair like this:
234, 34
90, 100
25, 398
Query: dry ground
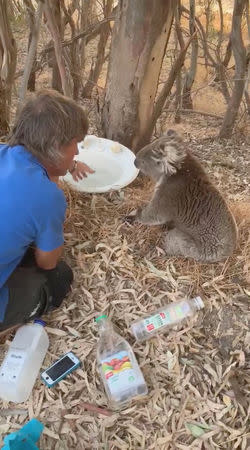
199, 374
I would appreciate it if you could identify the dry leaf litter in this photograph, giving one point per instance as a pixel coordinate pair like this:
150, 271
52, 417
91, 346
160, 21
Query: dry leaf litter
198, 374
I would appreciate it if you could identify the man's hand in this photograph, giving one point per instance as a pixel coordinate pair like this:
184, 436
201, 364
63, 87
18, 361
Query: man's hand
80, 170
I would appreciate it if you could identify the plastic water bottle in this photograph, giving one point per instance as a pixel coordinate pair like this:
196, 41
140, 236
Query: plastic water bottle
119, 370
165, 317
21, 365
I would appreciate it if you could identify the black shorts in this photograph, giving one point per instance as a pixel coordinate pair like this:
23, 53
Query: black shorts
33, 291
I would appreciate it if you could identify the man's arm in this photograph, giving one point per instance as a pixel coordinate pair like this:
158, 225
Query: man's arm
48, 260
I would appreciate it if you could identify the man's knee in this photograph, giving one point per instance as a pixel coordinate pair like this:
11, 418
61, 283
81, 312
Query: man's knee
65, 272
59, 282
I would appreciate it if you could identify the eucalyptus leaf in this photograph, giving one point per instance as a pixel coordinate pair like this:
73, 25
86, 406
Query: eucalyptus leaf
197, 430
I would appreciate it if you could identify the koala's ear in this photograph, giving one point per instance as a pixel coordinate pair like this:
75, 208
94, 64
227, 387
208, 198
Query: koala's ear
169, 168
173, 155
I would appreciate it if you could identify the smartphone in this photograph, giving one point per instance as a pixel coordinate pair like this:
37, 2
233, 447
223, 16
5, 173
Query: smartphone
60, 369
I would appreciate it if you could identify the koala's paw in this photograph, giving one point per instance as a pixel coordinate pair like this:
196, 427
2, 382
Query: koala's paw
130, 218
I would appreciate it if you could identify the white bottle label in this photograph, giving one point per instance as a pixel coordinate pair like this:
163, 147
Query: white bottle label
12, 365
119, 373
168, 316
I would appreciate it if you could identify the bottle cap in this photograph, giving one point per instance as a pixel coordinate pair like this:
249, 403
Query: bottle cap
40, 322
199, 302
101, 317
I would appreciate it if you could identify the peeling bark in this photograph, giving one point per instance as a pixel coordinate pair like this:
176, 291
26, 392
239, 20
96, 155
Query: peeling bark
139, 41
159, 104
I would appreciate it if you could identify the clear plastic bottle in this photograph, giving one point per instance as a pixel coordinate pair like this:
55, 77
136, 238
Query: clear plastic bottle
119, 370
21, 365
165, 317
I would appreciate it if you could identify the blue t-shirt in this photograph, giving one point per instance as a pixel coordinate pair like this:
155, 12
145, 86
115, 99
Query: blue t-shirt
32, 210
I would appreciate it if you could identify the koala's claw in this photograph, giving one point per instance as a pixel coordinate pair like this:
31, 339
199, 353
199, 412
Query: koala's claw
130, 219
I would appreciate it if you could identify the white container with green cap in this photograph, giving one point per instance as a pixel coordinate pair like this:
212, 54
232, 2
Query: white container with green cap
118, 368
165, 317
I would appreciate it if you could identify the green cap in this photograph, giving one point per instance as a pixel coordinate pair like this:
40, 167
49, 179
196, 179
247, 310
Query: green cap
101, 317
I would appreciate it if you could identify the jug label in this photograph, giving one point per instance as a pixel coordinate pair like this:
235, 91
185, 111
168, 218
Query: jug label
12, 365
119, 373
166, 317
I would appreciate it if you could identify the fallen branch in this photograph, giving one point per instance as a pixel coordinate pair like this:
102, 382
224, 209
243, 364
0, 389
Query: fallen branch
203, 113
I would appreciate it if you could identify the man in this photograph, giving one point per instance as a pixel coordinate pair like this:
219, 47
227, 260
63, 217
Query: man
41, 148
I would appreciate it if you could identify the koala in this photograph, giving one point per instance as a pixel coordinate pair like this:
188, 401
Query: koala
198, 221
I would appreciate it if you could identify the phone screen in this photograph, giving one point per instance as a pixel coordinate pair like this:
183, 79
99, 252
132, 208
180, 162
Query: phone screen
60, 368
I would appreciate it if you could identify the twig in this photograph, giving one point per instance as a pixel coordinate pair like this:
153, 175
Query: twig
13, 412
95, 409
89, 32
9, 330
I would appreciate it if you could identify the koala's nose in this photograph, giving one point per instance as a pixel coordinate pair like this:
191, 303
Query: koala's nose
136, 163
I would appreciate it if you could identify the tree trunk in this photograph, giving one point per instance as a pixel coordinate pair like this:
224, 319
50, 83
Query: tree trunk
190, 75
56, 82
239, 53
55, 33
140, 36
8, 55
96, 69
74, 64
31, 15
178, 82
31, 54
85, 20
161, 99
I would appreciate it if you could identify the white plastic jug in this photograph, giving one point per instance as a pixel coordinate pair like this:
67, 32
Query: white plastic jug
21, 365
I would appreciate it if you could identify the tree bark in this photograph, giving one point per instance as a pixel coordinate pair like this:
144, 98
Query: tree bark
139, 39
31, 15
178, 82
239, 53
56, 82
190, 75
74, 64
96, 69
58, 48
31, 54
8, 55
159, 104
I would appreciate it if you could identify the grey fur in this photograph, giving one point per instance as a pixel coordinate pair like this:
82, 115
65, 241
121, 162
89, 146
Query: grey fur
200, 224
